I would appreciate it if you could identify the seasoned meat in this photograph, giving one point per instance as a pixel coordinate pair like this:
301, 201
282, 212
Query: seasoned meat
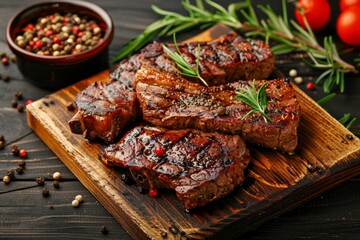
169, 101
200, 167
113, 107
229, 58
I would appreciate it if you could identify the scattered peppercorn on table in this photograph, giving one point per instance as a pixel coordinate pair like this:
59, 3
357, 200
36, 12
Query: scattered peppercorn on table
41, 198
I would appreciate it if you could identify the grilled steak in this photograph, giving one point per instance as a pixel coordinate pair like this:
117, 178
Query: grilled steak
227, 59
200, 167
169, 101
104, 110
230, 58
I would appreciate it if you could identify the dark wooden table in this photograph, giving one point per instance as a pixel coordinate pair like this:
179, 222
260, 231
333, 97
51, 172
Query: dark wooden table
25, 213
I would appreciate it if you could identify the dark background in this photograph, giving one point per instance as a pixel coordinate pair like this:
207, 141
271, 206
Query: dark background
24, 213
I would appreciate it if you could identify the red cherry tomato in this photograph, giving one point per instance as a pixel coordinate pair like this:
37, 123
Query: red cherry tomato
317, 13
348, 26
345, 4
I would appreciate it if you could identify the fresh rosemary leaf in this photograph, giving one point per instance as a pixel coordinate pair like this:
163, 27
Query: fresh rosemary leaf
351, 123
184, 67
325, 99
344, 118
348, 124
278, 27
256, 99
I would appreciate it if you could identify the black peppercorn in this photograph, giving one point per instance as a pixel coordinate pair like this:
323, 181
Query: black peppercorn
104, 230
45, 192
56, 184
142, 190
22, 163
11, 173
5, 77
125, 178
20, 170
20, 108
14, 103
40, 181
2, 138
18, 95
15, 150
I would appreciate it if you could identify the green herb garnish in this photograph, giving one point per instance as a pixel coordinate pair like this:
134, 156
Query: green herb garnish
288, 35
184, 67
325, 99
256, 99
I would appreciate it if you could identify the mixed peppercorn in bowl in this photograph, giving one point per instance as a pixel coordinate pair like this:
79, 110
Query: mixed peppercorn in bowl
60, 42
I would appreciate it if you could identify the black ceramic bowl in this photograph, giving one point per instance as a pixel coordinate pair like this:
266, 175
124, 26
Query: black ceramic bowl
54, 72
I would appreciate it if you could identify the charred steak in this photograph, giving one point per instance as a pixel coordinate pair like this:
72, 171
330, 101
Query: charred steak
105, 110
226, 59
169, 101
200, 167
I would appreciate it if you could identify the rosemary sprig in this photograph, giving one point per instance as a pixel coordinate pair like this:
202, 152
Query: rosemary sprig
287, 33
348, 123
256, 99
326, 99
173, 23
184, 67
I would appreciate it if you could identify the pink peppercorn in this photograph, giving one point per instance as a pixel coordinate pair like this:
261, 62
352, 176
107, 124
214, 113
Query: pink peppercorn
310, 86
159, 151
23, 153
153, 192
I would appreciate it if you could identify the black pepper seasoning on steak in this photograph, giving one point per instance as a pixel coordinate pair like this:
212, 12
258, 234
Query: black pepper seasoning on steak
106, 109
216, 109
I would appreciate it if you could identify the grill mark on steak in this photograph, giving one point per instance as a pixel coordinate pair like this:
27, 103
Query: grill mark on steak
200, 167
106, 110
169, 101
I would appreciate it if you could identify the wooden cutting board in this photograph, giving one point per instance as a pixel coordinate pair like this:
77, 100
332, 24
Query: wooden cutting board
327, 155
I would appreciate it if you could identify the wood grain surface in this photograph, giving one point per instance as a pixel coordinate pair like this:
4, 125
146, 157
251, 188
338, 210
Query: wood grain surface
25, 214
327, 155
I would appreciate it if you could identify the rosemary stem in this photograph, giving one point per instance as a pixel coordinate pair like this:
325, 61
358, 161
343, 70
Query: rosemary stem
344, 65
